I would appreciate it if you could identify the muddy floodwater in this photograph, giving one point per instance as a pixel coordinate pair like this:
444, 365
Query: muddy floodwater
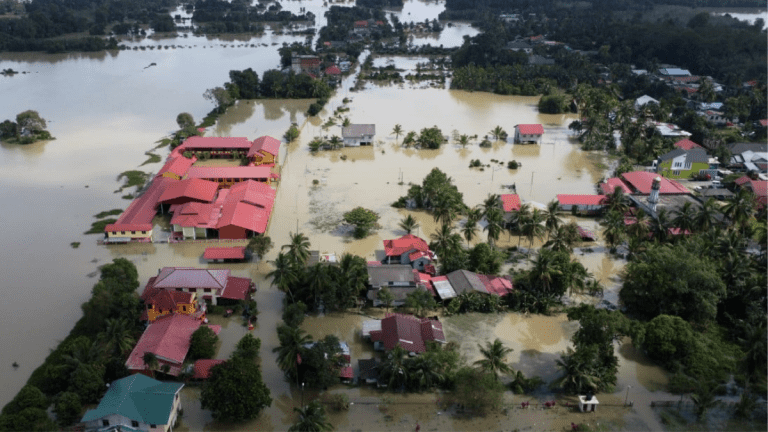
107, 109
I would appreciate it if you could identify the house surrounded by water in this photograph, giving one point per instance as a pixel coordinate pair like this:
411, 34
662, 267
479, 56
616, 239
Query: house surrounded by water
356, 135
528, 133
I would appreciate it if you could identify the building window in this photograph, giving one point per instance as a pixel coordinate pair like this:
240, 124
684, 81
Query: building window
676, 172
179, 289
143, 232
184, 308
105, 422
207, 290
153, 426
678, 164
133, 232
134, 423
688, 166
122, 232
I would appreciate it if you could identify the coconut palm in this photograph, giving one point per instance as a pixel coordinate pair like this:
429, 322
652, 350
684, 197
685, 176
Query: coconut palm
616, 201
706, 217
532, 228
551, 219
754, 341
469, 230
298, 248
704, 399
492, 201
393, 370
312, 418
464, 140
444, 208
495, 224
444, 241
494, 358
408, 224
397, 131
385, 296
640, 228
336, 142
318, 280
614, 229
292, 341
498, 133
684, 217
577, 377
285, 274
739, 208
543, 271
353, 275
116, 339
424, 373
564, 238
660, 225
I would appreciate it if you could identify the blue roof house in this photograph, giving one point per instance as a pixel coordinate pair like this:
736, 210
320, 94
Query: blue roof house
136, 403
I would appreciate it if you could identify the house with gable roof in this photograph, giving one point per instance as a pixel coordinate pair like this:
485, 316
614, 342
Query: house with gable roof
410, 250
136, 403
528, 133
264, 150
680, 163
212, 285
356, 135
161, 302
408, 331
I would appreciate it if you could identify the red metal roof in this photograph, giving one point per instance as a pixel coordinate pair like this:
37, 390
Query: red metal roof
203, 368
641, 181
177, 164
686, 144
219, 143
196, 214
248, 206
194, 189
413, 256
139, 214
763, 122
409, 332
168, 299
242, 172
346, 372
585, 234
588, 200
530, 129
510, 202
265, 144
332, 70
496, 285
361, 24
188, 277
406, 243
237, 288
167, 338
212, 253
760, 187
611, 184
742, 180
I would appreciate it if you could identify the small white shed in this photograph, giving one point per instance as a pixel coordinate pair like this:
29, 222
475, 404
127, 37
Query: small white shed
588, 405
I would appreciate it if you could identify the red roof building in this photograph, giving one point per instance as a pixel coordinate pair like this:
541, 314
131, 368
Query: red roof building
360, 24
581, 200
226, 176
496, 285
265, 144
641, 181
169, 339
160, 302
176, 166
225, 253
332, 70
247, 208
741, 181
189, 190
608, 186
203, 368
409, 332
136, 220
510, 202
214, 144
209, 284
686, 144
528, 133
406, 243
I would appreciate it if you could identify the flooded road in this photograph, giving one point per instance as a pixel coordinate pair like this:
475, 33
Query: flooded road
53, 189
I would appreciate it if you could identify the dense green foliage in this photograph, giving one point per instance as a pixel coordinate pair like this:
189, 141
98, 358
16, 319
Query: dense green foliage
235, 390
476, 391
28, 128
312, 418
362, 219
341, 20
437, 193
435, 368
203, 344
93, 353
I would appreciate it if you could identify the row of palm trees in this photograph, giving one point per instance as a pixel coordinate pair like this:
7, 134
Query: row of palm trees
498, 133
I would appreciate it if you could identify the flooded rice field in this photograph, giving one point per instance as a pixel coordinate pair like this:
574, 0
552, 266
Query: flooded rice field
106, 110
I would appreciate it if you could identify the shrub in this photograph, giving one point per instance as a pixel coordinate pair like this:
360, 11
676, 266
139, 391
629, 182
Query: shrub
512, 164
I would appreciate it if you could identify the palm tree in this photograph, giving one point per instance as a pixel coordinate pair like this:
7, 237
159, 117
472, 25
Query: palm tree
739, 208
410, 139
552, 220
563, 238
397, 131
532, 228
577, 376
492, 201
393, 369
469, 230
353, 275
312, 418
336, 142
639, 229
706, 217
543, 271
684, 217
150, 362
660, 225
424, 372
495, 356
116, 339
495, 219
444, 208
260, 245
616, 201
614, 229
319, 279
498, 133
298, 248
285, 274
464, 140
444, 241
292, 341
346, 122
704, 399
408, 224
385, 296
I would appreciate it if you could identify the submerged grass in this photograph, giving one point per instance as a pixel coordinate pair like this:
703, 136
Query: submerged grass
133, 178
153, 158
102, 215
98, 226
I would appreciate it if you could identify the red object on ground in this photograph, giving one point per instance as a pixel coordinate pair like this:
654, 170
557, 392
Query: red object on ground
212, 253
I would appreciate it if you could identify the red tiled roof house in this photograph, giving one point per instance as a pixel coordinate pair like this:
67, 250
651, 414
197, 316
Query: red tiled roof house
528, 133
264, 150
215, 286
582, 204
408, 249
408, 331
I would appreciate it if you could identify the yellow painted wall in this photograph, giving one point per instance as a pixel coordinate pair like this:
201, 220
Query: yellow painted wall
131, 234
262, 158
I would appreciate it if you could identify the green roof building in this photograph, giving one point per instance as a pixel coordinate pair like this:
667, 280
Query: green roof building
136, 403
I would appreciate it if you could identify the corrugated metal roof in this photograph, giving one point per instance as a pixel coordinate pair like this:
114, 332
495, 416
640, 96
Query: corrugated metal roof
139, 398
358, 130
530, 129
443, 287
510, 202
588, 200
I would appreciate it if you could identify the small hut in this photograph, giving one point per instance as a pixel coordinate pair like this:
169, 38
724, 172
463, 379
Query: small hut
588, 403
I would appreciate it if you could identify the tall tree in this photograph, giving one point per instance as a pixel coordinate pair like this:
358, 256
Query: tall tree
494, 358
312, 418
397, 131
116, 339
298, 248
235, 391
292, 341
445, 241
285, 275
394, 370
408, 224
494, 225
552, 221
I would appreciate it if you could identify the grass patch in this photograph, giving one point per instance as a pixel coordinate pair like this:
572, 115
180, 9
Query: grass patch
165, 142
601, 166
75, 245
102, 215
128, 197
153, 158
98, 226
133, 178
